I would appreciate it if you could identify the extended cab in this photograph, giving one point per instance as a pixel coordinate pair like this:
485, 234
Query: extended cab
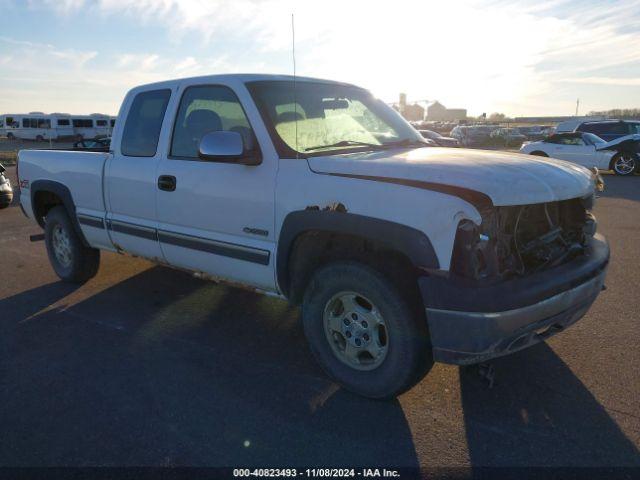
399, 253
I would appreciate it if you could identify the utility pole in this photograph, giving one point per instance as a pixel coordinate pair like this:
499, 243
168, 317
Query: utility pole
577, 106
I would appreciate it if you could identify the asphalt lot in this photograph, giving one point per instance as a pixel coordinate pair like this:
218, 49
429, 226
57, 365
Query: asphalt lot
145, 365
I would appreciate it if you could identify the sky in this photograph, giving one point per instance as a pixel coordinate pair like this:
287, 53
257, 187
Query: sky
517, 57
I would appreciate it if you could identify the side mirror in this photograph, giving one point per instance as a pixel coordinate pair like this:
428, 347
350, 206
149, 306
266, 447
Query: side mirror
225, 147
221, 146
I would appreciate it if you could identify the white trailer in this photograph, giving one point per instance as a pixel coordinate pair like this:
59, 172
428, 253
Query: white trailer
32, 126
36, 126
6, 124
61, 123
95, 125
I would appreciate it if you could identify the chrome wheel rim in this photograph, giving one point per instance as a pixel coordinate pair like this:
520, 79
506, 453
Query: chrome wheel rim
356, 331
61, 244
624, 164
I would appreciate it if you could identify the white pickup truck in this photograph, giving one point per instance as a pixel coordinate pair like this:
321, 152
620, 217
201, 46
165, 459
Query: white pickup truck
400, 254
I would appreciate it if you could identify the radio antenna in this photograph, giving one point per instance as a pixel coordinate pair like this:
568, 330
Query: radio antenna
293, 55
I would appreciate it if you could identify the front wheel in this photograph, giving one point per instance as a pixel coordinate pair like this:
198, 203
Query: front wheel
70, 258
624, 164
363, 332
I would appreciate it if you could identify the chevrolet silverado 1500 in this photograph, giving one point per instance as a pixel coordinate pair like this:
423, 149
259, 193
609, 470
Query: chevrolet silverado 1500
400, 254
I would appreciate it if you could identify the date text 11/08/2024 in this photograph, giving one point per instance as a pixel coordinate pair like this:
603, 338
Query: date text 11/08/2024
317, 472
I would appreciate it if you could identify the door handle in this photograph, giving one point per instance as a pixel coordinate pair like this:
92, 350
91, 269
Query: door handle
167, 183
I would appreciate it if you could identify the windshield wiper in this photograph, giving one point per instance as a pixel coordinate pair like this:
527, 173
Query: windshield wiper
407, 142
344, 143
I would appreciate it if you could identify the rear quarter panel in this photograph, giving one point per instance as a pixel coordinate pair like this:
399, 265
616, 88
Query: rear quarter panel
80, 172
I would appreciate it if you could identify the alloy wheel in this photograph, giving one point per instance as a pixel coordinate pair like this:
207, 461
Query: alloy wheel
624, 164
61, 246
356, 331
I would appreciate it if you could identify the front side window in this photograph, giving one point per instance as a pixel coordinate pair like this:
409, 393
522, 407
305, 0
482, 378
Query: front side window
44, 123
572, 141
204, 109
63, 122
144, 121
312, 118
101, 123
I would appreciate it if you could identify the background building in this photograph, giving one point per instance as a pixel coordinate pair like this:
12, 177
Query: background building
439, 113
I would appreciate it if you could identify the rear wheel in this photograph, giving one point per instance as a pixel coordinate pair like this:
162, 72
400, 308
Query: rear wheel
363, 332
624, 164
39, 138
10, 136
70, 258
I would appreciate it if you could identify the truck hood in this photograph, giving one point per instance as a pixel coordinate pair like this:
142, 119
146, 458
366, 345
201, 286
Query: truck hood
506, 178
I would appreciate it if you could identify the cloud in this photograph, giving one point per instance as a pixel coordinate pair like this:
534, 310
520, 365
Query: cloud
624, 82
518, 57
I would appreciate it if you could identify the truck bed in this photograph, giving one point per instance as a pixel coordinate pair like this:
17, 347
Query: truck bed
79, 172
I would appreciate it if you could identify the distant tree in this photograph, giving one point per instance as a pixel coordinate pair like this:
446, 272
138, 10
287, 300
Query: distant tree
618, 113
497, 117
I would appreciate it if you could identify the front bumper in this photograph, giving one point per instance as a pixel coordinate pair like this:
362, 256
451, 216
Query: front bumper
471, 323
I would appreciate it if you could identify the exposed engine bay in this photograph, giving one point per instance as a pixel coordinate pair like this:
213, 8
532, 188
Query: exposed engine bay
523, 239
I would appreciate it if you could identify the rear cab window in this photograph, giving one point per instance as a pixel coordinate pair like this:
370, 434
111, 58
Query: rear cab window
144, 121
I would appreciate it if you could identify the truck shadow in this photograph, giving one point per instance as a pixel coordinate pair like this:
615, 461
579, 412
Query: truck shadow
165, 369
539, 413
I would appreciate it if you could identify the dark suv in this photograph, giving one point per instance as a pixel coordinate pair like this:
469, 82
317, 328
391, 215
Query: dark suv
610, 129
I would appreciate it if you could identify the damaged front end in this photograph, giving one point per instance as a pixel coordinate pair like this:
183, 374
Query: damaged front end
515, 241
526, 273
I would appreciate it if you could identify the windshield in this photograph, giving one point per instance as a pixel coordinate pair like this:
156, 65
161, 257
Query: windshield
318, 118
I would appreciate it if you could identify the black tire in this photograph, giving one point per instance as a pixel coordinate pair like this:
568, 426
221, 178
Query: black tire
39, 138
408, 356
10, 136
629, 167
538, 153
83, 261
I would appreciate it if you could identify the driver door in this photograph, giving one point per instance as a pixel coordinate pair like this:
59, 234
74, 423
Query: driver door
216, 217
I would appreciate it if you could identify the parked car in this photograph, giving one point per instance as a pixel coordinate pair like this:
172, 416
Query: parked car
610, 130
534, 133
6, 192
508, 136
438, 139
98, 144
472, 135
570, 125
589, 150
400, 255
606, 129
